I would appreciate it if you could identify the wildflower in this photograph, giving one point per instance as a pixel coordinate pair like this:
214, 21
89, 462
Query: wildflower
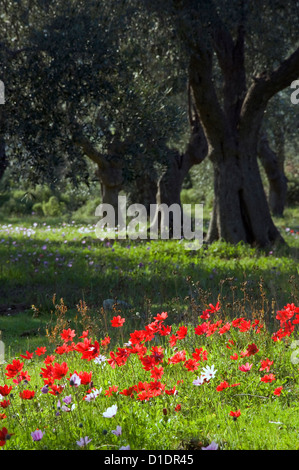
212, 309
14, 368
287, 313
92, 394
180, 356
27, 394
245, 368
212, 446
84, 334
277, 391
4, 403
85, 377
5, 391
268, 378
161, 316
60, 370
178, 408
157, 372
91, 352
212, 327
234, 357
111, 390
49, 359
198, 381
37, 435
105, 341
235, 414
117, 431
2, 416
117, 321
68, 335
127, 392
23, 376
265, 365
157, 354
125, 448
251, 350
110, 412
222, 386
144, 395
182, 332
83, 441
172, 391
201, 329
67, 400
75, 380
56, 389
224, 328
27, 356
208, 372
62, 349
191, 365
200, 355
40, 351
165, 330
173, 340
4, 436
122, 356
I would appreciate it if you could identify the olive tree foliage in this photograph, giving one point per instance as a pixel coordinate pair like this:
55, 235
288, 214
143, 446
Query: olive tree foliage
90, 79
241, 55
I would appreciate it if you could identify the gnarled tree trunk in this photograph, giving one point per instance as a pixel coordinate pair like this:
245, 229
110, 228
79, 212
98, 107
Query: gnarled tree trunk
278, 183
241, 211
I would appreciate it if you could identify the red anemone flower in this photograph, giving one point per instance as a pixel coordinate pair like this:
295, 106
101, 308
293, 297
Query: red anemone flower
235, 414
27, 356
27, 394
4, 436
60, 370
68, 335
41, 351
14, 368
117, 321
5, 390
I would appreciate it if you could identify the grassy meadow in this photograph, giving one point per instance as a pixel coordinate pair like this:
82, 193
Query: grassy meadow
55, 276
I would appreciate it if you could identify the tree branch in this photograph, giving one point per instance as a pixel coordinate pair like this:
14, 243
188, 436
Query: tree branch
263, 88
89, 149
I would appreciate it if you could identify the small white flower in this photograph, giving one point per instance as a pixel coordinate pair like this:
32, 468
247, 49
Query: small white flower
93, 395
117, 431
110, 412
208, 372
198, 381
100, 359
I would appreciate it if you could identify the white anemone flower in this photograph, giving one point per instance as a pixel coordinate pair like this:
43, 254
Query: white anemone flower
208, 372
110, 412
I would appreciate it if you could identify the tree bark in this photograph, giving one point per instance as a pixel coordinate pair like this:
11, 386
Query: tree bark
276, 177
